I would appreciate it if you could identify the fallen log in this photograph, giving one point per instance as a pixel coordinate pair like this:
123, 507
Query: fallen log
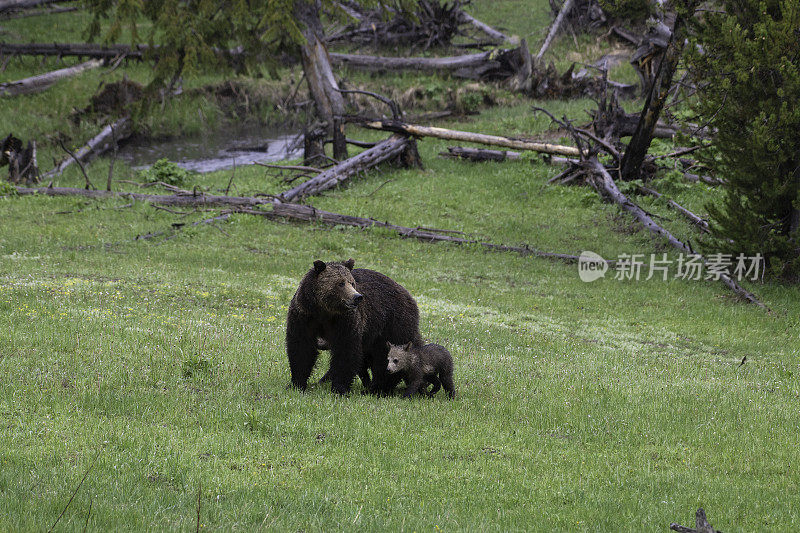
39, 83
9, 5
696, 220
75, 49
307, 213
8, 15
513, 65
708, 180
493, 34
185, 198
605, 184
98, 144
390, 148
273, 209
429, 64
483, 154
465, 136
554, 29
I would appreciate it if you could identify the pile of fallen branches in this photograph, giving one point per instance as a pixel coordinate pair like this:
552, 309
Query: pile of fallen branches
433, 23
601, 176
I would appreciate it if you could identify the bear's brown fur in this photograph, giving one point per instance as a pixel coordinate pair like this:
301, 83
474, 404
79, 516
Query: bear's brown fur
420, 365
355, 312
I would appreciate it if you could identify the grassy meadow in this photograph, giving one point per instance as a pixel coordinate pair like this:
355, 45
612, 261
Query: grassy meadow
144, 381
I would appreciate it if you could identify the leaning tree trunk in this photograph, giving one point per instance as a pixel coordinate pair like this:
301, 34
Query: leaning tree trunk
656, 97
321, 81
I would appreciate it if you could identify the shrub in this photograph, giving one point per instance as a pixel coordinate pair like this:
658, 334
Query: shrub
167, 172
746, 60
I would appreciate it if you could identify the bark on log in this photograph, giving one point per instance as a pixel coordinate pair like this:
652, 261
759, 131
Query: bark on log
513, 65
75, 49
383, 151
426, 64
605, 183
39, 83
554, 29
483, 154
494, 34
465, 136
98, 144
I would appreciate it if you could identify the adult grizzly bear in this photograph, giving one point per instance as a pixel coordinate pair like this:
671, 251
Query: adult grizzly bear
355, 313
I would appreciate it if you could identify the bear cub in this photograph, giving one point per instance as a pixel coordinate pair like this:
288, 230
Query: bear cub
421, 365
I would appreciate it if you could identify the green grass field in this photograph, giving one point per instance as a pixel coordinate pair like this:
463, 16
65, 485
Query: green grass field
158, 366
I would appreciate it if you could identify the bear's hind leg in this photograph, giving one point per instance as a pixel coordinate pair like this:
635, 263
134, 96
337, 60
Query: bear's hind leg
433, 379
447, 383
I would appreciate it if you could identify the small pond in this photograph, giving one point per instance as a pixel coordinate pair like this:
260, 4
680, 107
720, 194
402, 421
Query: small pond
218, 151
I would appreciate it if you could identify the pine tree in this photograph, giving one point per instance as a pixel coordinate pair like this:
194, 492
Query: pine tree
189, 35
746, 60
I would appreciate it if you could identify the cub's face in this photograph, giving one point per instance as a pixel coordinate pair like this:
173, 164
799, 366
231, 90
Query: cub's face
397, 359
335, 286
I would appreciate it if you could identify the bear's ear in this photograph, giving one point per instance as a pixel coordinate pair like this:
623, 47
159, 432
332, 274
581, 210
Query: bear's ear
388, 345
319, 266
349, 264
408, 346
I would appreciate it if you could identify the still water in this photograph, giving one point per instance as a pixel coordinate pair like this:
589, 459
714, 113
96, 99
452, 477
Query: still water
218, 151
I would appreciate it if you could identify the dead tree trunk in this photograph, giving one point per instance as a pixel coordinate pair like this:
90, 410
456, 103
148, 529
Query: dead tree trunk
656, 98
39, 83
391, 148
22, 166
319, 75
98, 144
465, 136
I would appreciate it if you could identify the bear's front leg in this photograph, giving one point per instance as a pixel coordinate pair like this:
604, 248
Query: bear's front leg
346, 361
415, 382
301, 348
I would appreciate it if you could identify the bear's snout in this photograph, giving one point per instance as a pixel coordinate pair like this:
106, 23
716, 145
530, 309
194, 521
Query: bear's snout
357, 298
